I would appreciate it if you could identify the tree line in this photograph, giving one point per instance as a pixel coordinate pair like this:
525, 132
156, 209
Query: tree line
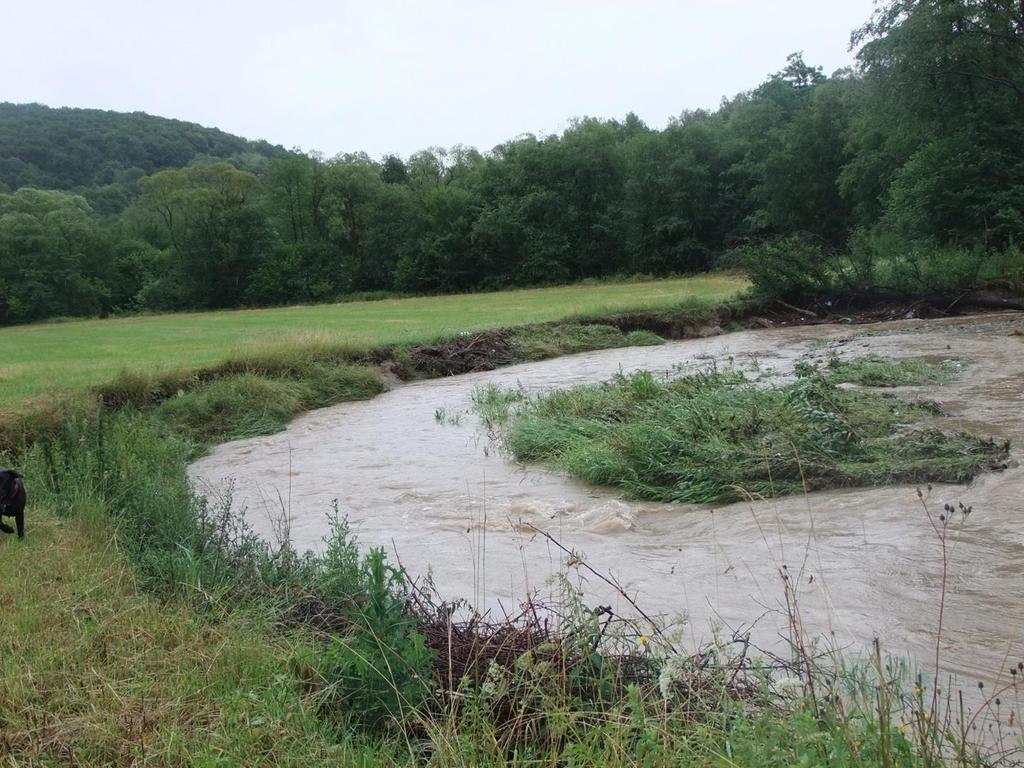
907, 168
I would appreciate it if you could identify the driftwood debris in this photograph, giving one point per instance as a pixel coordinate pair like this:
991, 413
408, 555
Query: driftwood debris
465, 354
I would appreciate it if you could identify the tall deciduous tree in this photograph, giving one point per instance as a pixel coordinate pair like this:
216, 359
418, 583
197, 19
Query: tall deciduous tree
939, 139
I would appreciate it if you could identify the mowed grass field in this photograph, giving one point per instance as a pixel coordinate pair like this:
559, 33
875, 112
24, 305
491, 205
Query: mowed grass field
48, 357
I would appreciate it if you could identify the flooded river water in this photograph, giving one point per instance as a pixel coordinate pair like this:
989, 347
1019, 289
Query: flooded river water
866, 561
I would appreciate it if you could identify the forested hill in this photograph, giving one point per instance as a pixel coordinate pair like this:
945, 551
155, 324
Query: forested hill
68, 148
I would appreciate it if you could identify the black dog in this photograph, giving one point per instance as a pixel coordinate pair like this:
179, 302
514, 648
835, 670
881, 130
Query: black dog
12, 500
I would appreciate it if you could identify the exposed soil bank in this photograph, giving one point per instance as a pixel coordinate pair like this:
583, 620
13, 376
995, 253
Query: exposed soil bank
494, 349
865, 561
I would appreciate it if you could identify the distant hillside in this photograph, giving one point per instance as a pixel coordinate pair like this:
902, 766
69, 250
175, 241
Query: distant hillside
68, 148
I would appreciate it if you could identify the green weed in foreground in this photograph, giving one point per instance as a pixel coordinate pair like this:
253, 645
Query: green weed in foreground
95, 672
875, 371
717, 438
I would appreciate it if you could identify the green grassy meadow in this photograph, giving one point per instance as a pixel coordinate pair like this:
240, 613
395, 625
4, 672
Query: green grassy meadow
40, 359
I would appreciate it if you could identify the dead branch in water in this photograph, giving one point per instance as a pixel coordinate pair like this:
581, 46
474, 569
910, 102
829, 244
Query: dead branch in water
576, 559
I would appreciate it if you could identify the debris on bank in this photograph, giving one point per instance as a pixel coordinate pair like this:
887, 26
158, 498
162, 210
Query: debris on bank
464, 354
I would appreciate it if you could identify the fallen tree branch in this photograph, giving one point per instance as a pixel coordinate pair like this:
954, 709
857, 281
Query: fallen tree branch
655, 628
798, 310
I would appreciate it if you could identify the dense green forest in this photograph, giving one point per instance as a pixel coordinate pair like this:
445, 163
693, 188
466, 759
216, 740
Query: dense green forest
102, 154
903, 174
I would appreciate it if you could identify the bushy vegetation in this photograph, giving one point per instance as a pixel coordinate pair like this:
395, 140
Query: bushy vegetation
876, 266
712, 438
379, 674
249, 404
902, 176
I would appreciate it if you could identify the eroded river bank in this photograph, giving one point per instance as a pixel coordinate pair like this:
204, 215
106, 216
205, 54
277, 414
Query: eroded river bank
866, 561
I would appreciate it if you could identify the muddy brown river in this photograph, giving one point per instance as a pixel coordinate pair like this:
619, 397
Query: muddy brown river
866, 561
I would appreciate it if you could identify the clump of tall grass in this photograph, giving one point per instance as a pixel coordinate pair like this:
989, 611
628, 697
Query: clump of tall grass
274, 381
232, 408
129, 468
290, 357
494, 404
249, 404
717, 438
643, 339
876, 371
42, 418
141, 389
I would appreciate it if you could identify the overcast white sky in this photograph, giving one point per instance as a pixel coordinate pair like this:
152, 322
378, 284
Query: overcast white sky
393, 76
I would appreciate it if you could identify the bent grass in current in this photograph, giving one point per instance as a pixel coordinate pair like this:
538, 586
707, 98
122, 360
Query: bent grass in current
875, 371
717, 438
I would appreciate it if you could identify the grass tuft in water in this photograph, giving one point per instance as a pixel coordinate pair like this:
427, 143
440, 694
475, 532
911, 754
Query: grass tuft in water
876, 371
713, 438
494, 404
447, 417
643, 339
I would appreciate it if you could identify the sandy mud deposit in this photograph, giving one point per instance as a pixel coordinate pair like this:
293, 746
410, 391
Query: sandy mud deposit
866, 562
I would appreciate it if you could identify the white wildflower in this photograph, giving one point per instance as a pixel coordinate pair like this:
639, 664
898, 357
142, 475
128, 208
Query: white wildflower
672, 672
791, 687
